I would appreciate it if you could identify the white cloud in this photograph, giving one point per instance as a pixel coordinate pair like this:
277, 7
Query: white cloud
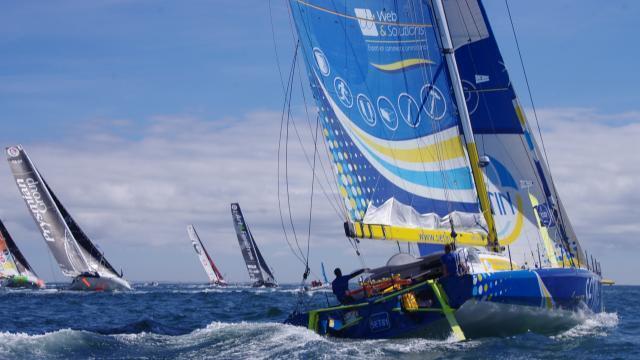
135, 197
134, 188
594, 161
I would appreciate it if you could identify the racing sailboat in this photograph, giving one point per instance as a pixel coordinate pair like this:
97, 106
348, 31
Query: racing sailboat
15, 271
76, 255
431, 146
258, 270
215, 277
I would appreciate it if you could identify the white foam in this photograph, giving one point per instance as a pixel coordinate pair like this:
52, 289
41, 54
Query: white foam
593, 325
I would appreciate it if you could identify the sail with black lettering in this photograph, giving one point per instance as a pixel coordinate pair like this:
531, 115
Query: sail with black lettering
257, 267
526, 207
215, 277
74, 252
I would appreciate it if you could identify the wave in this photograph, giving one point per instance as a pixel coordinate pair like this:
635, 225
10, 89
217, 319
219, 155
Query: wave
262, 340
217, 340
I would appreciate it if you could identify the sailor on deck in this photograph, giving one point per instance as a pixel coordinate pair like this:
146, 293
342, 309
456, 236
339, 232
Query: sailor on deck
449, 262
340, 285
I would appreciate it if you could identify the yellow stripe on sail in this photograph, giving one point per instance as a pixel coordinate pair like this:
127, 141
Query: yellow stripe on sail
548, 243
398, 65
417, 235
513, 236
444, 150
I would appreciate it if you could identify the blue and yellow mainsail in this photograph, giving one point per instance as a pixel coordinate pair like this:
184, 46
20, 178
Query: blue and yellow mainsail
385, 99
527, 210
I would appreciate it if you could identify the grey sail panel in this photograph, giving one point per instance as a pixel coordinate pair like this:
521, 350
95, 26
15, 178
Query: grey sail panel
45, 213
92, 254
22, 264
246, 244
266, 271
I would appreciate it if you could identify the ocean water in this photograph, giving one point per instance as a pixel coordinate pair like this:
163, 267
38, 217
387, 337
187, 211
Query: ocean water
189, 321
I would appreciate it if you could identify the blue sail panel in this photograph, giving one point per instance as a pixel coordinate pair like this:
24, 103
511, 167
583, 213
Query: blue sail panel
381, 84
527, 211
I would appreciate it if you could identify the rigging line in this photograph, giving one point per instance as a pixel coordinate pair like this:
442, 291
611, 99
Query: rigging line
313, 175
308, 37
333, 188
275, 49
326, 177
286, 161
330, 200
310, 131
284, 230
535, 113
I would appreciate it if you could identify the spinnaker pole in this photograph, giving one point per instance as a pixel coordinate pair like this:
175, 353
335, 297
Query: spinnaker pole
465, 120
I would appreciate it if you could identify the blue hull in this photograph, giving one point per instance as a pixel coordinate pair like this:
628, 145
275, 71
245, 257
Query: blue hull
542, 290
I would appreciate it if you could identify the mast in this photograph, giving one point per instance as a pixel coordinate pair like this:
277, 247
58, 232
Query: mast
467, 131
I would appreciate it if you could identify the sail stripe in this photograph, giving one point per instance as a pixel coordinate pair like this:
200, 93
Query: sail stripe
402, 64
457, 182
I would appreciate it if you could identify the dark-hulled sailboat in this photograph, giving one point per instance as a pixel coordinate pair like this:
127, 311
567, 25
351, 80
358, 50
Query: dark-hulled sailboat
405, 89
15, 271
75, 254
258, 270
214, 275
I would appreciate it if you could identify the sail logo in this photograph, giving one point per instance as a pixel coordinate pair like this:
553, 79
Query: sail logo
38, 208
482, 79
13, 151
366, 20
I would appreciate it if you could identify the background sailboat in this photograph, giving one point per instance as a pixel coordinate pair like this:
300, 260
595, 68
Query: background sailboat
15, 271
431, 146
259, 272
76, 255
215, 277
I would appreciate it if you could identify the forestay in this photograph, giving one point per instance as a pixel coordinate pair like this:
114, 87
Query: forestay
389, 118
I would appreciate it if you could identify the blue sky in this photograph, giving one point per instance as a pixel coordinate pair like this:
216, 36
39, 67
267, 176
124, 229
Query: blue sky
112, 97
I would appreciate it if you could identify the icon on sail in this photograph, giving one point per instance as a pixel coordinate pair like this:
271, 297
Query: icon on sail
387, 113
433, 100
321, 61
409, 110
366, 109
343, 91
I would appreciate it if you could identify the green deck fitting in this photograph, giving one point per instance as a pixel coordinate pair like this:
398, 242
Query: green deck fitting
448, 312
441, 295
